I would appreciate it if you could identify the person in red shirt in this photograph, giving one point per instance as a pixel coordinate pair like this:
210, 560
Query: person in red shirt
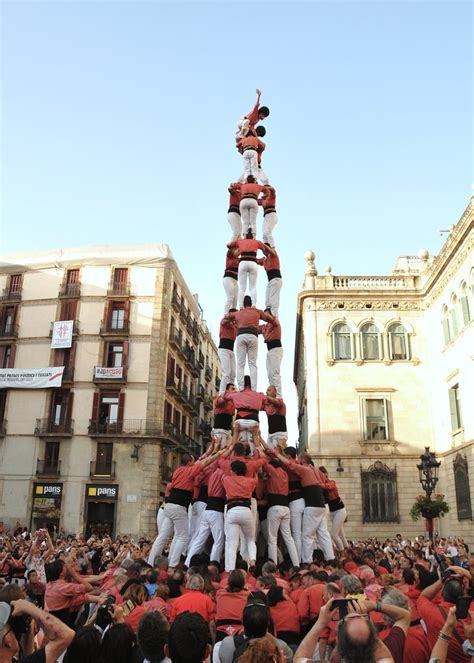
276, 417
246, 343
194, 600
233, 213
251, 148
225, 351
230, 602
270, 217
271, 333
248, 269
337, 511
251, 119
286, 622
248, 192
175, 513
239, 519
224, 410
271, 265
230, 280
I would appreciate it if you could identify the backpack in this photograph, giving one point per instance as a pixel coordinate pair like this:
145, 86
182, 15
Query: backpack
241, 644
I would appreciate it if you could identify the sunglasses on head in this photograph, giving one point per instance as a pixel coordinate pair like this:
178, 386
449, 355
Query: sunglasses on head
251, 604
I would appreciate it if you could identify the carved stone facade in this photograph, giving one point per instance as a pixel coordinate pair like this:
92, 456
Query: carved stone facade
383, 368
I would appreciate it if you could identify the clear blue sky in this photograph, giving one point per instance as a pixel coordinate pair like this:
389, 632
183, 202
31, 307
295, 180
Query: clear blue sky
118, 121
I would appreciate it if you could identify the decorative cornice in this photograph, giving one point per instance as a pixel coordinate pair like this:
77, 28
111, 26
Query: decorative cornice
377, 305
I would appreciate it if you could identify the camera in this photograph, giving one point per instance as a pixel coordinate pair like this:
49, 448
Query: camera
104, 612
443, 567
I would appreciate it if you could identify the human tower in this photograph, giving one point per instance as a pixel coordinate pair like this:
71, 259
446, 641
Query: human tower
244, 486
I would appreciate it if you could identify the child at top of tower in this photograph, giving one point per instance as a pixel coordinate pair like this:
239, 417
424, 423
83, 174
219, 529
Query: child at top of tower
249, 121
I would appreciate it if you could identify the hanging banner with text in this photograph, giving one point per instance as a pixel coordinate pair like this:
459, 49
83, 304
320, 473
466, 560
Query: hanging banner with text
31, 378
108, 373
62, 334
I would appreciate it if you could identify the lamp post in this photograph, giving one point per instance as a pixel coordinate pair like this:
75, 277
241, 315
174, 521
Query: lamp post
428, 473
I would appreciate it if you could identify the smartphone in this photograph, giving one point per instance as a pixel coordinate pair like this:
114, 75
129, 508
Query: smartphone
463, 604
342, 605
127, 607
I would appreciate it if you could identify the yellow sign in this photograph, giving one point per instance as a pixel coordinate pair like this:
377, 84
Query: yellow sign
92, 491
39, 490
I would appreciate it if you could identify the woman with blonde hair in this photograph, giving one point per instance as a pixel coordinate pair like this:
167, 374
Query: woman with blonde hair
262, 649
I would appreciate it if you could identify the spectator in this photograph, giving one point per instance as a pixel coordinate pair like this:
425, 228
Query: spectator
85, 646
440, 650
196, 601
63, 598
134, 597
118, 644
34, 588
188, 639
230, 603
284, 616
152, 637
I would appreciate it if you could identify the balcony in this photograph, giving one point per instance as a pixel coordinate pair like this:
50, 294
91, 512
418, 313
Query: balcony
117, 375
11, 295
118, 290
208, 374
102, 470
183, 312
112, 328
183, 394
48, 468
46, 427
68, 374
176, 301
176, 339
173, 384
126, 427
201, 393
75, 328
173, 433
3, 427
189, 325
217, 383
201, 360
70, 291
208, 405
9, 330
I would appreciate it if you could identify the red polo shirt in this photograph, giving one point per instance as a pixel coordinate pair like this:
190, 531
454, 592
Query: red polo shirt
434, 620
183, 477
194, 601
310, 602
215, 487
271, 331
285, 617
249, 317
277, 483
227, 329
236, 486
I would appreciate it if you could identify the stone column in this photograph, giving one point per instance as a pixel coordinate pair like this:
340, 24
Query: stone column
310, 341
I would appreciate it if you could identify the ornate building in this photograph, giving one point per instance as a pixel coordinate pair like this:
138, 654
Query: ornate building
383, 368
140, 372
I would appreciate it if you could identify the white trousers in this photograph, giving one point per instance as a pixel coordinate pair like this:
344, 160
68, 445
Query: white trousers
296, 522
194, 515
174, 517
212, 522
272, 295
243, 549
160, 516
269, 222
250, 165
246, 348
314, 524
227, 359
278, 518
274, 358
262, 179
231, 288
249, 211
245, 435
235, 224
224, 436
248, 271
337, 528
273, 439
239, 519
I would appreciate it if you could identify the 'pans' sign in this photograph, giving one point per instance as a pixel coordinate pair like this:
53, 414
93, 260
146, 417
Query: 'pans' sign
98, 492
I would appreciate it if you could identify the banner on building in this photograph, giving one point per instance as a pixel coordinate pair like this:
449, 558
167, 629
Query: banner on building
108, 373
31, 378
62, 334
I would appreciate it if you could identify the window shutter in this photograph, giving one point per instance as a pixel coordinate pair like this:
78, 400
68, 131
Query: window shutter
125, 354
446, 334
126, 307
72, 355
11, 362
454, 320
95, 407
465, 310
385, 412
121, 407
109, 307
453, 409
70, 400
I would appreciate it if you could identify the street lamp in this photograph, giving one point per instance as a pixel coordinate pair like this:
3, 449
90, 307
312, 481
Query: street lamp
428, 473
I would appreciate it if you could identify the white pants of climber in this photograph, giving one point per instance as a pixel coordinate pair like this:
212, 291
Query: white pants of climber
231, 287
175, 517
195, 514
273, 439
243, 548
248, 271
160, 517
248, 212
227, 359
262, 179
242, 127
269, 222
272, 295
250, 165
296, 520
314, 524
246, 348
224, 436
235, 224
274, 358
212, 522
337, 528
278, 518
239, 519
245, 434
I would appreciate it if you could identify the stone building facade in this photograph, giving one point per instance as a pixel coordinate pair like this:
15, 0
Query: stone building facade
139, 377
383, 368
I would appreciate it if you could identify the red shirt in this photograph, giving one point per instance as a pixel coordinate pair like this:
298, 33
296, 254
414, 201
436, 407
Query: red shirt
223, 406
248, 245
434, 620
230, 605
215, 487
307, 474
227, 329
247, 400
252, 143
271, 331
285, 617
277, 483
252, 117
183, 477
133, 619
395, 641
250, 190
296, 594
231, 261
310, 602
194, 601
272, 261
252, 465
279, 409
332, 492
60, 594
157, 604
417, 649
249, 316
269, 197
234, 197
236, 486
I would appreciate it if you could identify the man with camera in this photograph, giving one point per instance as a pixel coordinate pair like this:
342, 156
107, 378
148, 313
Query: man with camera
58, 635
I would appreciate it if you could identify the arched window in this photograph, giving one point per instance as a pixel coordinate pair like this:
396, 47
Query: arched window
453, 314
461, 486
466, 313
370, 341
342, 341
446, 327
379, 494
398, 342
